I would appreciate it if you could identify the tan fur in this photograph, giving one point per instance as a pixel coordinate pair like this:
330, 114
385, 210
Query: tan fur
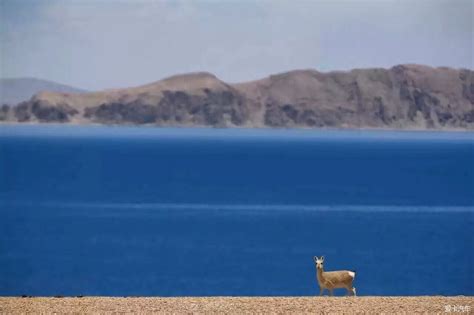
333, 279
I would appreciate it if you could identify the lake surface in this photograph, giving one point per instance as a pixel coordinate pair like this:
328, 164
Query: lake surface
173, 212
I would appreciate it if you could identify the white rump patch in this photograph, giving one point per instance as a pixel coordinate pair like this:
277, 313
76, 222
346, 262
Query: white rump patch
352, 274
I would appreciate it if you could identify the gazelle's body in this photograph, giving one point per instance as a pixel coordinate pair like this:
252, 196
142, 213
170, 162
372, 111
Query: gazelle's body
333, 279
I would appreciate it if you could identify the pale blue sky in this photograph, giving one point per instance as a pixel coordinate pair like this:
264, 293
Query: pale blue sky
97, 44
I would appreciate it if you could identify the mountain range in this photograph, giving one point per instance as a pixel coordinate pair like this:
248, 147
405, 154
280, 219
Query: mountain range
16, 90
402, 97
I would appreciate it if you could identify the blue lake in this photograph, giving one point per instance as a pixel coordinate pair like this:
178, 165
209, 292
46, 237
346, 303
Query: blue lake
173, 212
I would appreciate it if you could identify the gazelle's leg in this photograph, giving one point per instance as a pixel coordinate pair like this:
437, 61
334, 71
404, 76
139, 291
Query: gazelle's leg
349, 291
354, 291
321, 291
331, 293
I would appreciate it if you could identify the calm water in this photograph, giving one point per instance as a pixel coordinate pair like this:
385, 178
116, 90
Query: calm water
144, 211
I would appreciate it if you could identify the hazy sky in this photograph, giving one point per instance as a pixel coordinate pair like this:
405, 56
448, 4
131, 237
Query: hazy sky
96, 44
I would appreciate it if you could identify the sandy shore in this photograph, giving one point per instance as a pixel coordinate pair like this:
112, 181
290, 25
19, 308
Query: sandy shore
241, 305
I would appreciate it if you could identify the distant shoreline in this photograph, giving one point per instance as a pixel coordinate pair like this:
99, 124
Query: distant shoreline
240, 305
154, 126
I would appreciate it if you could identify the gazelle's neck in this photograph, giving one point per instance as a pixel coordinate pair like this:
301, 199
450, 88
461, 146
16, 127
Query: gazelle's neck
320, 272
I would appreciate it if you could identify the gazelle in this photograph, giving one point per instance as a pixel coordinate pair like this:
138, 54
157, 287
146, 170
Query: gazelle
333, 279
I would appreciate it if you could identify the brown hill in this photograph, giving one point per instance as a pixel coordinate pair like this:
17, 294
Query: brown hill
402, 97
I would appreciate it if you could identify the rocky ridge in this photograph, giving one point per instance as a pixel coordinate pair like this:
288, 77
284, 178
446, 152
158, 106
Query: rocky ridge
402, 97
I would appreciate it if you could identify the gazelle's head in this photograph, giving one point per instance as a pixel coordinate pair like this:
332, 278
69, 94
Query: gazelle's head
318, 262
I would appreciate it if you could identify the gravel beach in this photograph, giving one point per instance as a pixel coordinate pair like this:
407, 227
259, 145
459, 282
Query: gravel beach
240, 305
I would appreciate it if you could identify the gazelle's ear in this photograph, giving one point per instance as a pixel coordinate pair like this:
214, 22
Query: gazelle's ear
315, 258
322, 258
